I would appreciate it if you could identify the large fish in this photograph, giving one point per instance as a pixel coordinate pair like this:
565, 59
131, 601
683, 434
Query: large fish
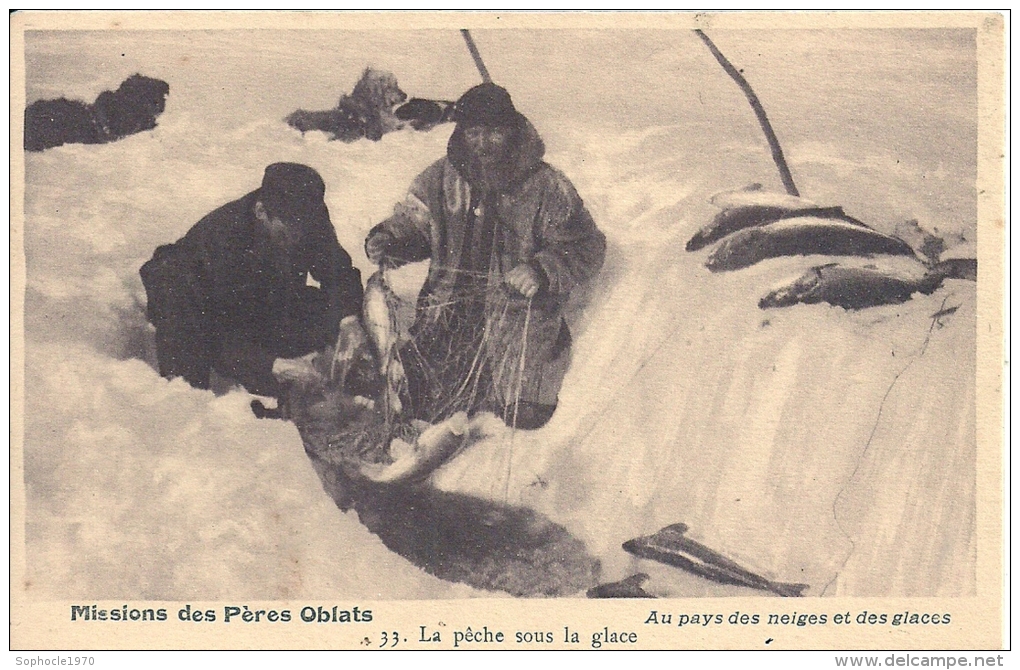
672, 547
735, 219
850, 288
802, 236
379, 314
413, 462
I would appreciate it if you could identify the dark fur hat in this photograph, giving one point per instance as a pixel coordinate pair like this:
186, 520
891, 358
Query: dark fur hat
292, 190
486, 105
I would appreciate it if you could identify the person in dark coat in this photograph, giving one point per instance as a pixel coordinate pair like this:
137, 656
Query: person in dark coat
253, 287
509, 239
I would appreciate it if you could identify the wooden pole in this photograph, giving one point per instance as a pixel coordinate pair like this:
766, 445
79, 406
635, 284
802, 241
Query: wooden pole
476, 56
770, 135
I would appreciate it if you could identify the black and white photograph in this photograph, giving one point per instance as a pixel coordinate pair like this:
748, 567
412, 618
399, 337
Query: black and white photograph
371, 312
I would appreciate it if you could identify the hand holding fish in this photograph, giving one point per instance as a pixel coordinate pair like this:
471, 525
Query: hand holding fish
525, 280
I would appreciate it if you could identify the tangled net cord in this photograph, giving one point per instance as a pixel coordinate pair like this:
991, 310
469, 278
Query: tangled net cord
466, 387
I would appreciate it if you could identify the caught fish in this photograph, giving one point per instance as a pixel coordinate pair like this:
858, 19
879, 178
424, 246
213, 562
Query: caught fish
735, 219
379, 314
802, 236
433, 447
850, 288
672, 547
350, 344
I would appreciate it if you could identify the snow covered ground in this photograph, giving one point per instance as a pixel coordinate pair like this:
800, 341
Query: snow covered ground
809, 443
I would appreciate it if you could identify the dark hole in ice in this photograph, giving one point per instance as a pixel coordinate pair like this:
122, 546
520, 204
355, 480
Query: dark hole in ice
462, 538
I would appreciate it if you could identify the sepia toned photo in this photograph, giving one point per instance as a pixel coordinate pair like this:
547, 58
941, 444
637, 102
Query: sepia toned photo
667, 319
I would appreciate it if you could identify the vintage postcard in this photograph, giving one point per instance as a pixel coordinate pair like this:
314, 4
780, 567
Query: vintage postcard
507, 330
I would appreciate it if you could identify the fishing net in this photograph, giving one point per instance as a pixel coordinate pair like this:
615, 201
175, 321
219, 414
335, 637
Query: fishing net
443, 358
459, 354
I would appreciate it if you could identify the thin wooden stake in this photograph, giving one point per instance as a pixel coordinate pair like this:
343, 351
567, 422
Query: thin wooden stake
770, 135
476, 56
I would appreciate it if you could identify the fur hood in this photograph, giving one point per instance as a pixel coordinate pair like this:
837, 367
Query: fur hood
526, 156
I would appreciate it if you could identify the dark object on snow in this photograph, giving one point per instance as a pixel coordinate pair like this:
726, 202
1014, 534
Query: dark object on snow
131, 109
802, 236
849, 288
625, 588
425, 114
260, 411
52, 123
956, 268
260, 278
732, 220
672, 547
366, 112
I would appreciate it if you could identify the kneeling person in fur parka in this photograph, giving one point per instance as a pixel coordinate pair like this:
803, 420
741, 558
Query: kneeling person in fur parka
509, 239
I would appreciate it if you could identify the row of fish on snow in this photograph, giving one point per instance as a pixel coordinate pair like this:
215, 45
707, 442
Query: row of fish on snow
754, 225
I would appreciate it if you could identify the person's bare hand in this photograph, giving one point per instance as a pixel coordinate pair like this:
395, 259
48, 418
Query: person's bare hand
524, 279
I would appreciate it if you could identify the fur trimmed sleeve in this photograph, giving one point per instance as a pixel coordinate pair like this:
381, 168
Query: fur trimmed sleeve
571, 248
410, 228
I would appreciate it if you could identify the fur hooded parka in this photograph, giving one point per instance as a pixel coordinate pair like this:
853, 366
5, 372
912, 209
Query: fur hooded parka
475, 228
